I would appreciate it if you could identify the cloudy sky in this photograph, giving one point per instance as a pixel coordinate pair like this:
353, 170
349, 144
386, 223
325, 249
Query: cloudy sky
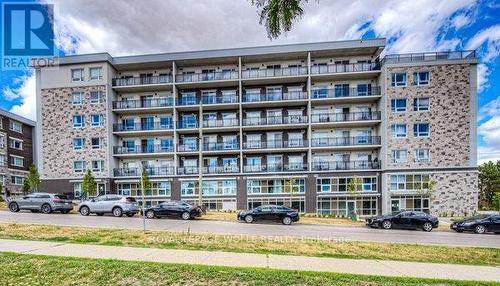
138, 27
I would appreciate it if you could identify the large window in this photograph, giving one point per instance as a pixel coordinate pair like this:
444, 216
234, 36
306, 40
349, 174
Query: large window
78, 121
421, 130
421, 104
78, 143
398, 130
161, 188
410, 203
399, 156
17, 180
96, 97
77, 190
342, 206
16, 144
188, 188
95, 73
340, 184
398, 79
421, 78
78, 98
16, 161
77, 75
422, 155
398, 105
16, 126
97, 120
79, 166
293, 202
98, 166
276, 186
411, 182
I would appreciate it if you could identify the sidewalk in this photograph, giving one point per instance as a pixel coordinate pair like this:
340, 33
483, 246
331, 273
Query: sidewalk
284, 262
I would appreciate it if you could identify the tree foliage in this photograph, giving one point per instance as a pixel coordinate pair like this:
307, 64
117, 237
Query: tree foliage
26, 187
89, 186
496, 201
489, 183
145, 181
355, 185
278, 15
32, 180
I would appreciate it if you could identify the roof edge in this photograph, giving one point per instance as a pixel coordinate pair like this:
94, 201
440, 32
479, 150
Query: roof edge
16, 117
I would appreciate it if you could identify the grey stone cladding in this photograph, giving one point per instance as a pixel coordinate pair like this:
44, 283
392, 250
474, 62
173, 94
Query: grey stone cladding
454, 193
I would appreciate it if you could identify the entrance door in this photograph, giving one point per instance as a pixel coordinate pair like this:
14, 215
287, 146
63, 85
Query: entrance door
101, 189
395, 205
351, 208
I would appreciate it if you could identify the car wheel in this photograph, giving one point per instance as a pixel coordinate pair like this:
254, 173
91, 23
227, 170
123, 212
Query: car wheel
427, 226
14, 207
480, 229
130, 214
85, 211
46, 209
387, 224
248, 219
287, 220
65, 212
150, 214
99, 214
185, 216
117, 212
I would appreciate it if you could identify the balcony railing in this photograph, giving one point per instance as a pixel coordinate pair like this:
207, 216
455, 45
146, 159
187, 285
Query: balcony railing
136, 172
187, 100
220, 146
275, 120
345, 165
274, 96
221, 123
260, 73
346, 141
197, 77
187, 147
343, 117
275, 168
187, 125
118, 127
432, 56
345, 92
143, 103
187, 170
142, 149
130, 81
258, 144
344, 68
219, 99
221, 169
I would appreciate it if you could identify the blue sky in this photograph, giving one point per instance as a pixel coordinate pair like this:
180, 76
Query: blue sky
130, 27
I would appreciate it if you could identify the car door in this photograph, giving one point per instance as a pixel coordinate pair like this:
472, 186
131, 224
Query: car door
495, 223
39, 200
401, 220
266, 213
97, 205
25, 202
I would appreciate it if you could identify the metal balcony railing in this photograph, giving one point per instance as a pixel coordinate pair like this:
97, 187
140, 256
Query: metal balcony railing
220, 169
259, 144
143, 149
197, 77
187, 100
221, 123
275, 120
143, 103
187, 125
344, 68
345, 92
131, 81
187, 170
187, 147
274, 96
136, 172
220, 146
261, 73
431, 56
275, 168
342, 117
219, 99
118, 127
346, 141
345, 165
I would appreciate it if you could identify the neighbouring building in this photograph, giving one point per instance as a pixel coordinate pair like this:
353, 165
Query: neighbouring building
331, 127
17, 151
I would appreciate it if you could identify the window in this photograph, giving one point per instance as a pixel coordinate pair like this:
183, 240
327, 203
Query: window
16, 144
398, 105
96, 97
16, 180
96, 142
16, 126
421, 104
78, 98
422, 155
398, 130
98, 166
96, 73
78, 121
276, 186
420, 78
79, 166
398, 79
77, 190
96, 120
421, 130
2, 160
188, 188
2, 139
77, 75
16, 161
328, 185
399, 156
78, 143
409, 182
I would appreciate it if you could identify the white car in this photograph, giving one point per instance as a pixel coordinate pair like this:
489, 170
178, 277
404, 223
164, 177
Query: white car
115, 204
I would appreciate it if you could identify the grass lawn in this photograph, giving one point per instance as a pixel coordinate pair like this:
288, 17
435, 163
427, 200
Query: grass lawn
254, 244
21, 269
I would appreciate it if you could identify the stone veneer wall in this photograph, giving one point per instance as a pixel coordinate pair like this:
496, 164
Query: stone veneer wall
449, 116
58, 131
454, 193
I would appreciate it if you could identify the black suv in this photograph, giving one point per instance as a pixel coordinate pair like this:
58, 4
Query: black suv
174, 209
270, 212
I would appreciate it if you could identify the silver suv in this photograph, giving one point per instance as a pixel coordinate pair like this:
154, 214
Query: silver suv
41, 202
115, 204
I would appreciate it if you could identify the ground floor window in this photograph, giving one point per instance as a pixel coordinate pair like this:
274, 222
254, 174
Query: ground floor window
411, 182
210, 188
77, 190
345, 206
297, 203
215, 204
276, 186
160, 188
410, 203
340, 184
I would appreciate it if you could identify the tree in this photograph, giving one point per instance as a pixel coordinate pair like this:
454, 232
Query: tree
26, 187
496, 201
89, 186
426, 188
355, 185
278, 15
32, 180
145, 181
489, 182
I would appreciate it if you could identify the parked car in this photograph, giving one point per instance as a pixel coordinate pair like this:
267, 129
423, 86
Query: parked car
479, 224
404, 220
115, 204
174, 209
41, 202
269, 212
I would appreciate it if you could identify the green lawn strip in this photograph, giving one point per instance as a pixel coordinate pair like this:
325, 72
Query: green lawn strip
254, 244
23, 269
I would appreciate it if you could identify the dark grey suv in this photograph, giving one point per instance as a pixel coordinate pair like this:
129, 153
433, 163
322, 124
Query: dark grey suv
41, 202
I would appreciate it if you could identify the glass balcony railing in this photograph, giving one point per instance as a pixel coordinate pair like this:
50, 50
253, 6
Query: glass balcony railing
187, 100
221, 169
258, 144
275, 120
275, 96
187, 147
346, 141
142, 126
189, 170
344, 117
345, 92
143, 103
344, 68
345, 165
432, 56
276, 72
136, 172
221, 123
143, 149
275, 168
187, 125
220, 146
131, 81
209, 76
219, 99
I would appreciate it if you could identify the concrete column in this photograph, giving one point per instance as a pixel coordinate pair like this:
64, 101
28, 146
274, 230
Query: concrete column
176, 189
310, 196
241, 193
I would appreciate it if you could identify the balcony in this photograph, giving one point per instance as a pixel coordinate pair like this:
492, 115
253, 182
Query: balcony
187, 125
202, 77
147, 80
274, 96
345, 68
345, 117
142, 149
136, 172
275, 120
231, 122
277, 72
345, 141
224, 99
187, 101
118, 127
187, 148
221, 146
423, 57
275, 168
189, 170
346, 92
221, 169
345, 165
143, 103
258, 144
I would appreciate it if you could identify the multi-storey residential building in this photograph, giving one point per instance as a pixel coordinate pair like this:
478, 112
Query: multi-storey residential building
17, 151
327, 127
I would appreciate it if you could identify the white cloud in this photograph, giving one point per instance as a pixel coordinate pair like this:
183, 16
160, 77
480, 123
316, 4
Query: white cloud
489, 129
486, 154
491, 36
27, 93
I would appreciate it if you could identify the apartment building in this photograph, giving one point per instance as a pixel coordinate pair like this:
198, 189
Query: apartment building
17, 151
331, 127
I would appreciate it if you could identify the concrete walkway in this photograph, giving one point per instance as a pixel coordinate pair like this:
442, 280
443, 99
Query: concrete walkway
286, 262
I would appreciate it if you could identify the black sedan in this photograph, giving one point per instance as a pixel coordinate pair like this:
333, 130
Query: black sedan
479, 224
174, 209
270, 212
405, 220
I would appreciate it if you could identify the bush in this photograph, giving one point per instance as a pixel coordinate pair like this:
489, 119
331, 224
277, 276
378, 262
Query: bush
495, 202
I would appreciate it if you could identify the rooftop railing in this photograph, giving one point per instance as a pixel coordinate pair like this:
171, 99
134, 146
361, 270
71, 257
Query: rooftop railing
345, 92
344, 68
431, 56
131, 81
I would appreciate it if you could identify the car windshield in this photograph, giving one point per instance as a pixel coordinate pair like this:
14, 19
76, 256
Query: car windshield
61, 197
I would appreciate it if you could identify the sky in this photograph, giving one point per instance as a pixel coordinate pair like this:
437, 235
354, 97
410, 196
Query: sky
126, 27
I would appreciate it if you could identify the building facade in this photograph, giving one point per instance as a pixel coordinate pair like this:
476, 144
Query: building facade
17, 151
332, 127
